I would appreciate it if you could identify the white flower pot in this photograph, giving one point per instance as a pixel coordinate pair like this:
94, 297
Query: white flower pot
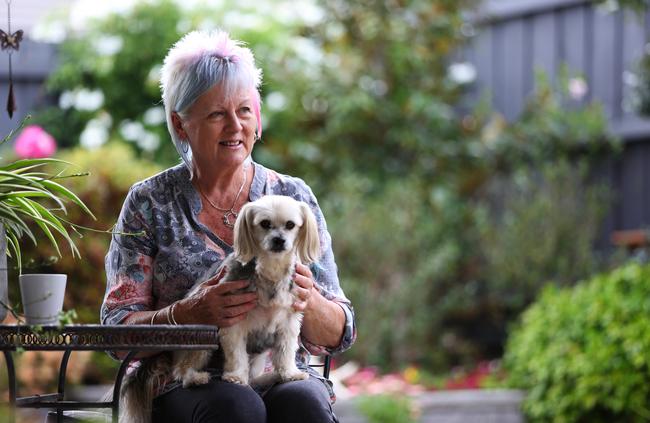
42, 296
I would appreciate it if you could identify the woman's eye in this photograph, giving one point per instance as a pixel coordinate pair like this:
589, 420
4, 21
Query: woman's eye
290, 225
245, 109
266, 224
216, 115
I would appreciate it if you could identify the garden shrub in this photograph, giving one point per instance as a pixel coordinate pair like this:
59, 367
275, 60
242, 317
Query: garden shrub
387, 409
583, 353
397, 261
541, 224
113, 169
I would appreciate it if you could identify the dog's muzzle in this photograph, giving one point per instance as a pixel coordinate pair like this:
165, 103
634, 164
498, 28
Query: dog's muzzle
277, 244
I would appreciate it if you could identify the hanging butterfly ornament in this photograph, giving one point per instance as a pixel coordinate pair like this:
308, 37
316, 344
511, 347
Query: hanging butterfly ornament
10, 42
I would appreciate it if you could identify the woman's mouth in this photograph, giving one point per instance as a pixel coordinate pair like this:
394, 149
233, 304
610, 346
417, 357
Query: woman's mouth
231, 144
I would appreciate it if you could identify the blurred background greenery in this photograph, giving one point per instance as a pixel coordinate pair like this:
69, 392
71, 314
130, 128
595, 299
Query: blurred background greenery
447, 220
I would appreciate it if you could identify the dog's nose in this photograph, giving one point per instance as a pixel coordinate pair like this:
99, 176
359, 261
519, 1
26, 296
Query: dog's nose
277, 243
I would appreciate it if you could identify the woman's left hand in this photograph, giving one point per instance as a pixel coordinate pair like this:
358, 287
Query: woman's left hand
304, 289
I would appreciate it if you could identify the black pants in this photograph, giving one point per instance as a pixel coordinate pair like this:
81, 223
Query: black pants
223, 402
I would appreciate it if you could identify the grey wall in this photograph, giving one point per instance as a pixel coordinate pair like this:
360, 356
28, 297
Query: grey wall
31, 65
516, 37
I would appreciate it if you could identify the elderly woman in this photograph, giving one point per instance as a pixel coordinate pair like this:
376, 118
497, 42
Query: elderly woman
186, 214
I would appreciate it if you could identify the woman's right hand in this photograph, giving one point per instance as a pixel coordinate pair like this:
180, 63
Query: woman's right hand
216, 303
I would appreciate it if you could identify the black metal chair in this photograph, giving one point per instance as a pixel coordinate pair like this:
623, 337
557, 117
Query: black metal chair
74, 416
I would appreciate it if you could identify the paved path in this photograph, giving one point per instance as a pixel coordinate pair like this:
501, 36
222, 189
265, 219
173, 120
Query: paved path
470, 406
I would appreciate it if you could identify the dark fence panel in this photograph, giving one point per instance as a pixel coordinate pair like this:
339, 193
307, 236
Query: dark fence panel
517, 37
31, 66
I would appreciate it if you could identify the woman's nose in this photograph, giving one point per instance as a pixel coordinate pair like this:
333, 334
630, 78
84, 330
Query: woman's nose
233, 122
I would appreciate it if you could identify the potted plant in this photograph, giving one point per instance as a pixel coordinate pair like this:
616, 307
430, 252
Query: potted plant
31, 194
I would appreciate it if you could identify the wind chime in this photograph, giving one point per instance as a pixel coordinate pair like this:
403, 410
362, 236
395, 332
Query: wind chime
10, 42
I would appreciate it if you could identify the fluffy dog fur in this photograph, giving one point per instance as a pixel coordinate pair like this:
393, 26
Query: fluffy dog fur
272, 234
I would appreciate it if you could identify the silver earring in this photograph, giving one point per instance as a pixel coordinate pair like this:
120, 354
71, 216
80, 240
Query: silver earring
185, 146
257, 136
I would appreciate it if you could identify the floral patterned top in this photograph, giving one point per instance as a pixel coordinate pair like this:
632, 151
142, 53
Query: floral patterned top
151, 271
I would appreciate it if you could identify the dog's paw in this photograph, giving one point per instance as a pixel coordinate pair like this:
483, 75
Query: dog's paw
235, 378
196, 378
293, 376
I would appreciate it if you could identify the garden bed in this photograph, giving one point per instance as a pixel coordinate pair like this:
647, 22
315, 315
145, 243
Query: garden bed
466, 406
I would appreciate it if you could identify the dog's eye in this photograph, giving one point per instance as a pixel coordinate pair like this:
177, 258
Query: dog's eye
266, 224
290, 225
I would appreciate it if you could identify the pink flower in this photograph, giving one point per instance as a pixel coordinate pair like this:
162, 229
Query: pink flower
33, 143
578, 88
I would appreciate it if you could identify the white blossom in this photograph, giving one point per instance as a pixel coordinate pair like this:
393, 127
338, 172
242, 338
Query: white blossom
578, 88
462, 73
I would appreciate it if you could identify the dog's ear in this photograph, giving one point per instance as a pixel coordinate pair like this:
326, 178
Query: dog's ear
244, 241
308, 239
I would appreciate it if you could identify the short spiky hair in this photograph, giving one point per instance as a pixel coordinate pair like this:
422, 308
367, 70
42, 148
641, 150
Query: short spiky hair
197, 62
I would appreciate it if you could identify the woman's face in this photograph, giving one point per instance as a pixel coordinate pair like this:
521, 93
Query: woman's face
220, 131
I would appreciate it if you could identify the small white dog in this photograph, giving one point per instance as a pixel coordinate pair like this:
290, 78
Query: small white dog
272, 234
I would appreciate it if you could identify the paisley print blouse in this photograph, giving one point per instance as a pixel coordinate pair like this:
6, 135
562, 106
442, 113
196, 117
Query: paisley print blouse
174, 249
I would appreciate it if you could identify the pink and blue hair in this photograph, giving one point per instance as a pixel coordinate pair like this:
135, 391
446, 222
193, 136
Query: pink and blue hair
197, 62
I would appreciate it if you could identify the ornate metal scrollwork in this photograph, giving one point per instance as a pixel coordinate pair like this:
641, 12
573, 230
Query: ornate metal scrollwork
98, 337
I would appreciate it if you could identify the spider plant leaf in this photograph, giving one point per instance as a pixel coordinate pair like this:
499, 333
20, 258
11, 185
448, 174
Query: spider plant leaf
52, 220
27, 193
24, 191
36, 175
49, 217
11, 176
61, 190
32, 192
31, 208
11, 133
12, 241
13, 222
25, 164
18, 186
29, 170
20, 210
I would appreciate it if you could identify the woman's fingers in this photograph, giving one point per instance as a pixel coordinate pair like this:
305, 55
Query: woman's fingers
223, 304
230, 300
238, 310
216, 279
303, 282
230, 321
235, 314
303, 270
303, 288
230, 286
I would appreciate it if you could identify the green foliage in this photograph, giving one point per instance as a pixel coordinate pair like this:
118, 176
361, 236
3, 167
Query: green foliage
639, 6
583, 353
397, 259
639, 79
543, 228
425, 206
641, 86
550, 126
386, 409
29, 194
113, 169
120, 59
437, 269
379, 102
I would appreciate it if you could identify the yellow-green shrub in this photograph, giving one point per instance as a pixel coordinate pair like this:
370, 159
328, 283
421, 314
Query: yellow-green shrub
583, 353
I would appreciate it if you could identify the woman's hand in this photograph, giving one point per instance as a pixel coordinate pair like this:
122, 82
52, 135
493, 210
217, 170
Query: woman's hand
323, 320
304, 288
216, 303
